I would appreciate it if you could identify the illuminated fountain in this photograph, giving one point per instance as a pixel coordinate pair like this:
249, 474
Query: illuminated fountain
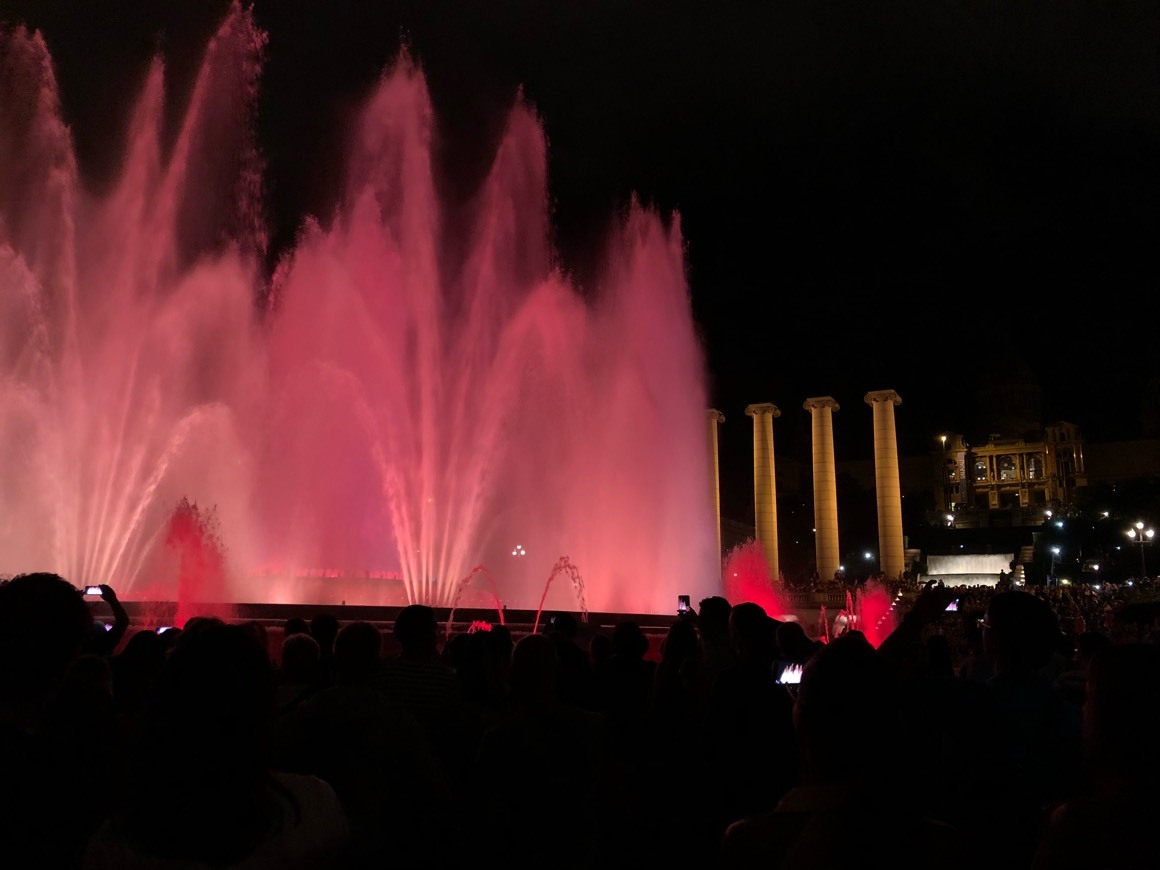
746, 577
405, 395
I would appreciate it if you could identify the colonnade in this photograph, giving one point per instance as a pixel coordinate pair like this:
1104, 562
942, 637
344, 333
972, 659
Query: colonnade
891, 543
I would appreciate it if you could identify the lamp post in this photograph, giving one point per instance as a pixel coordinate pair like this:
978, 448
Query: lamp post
945, 482
1054, 561
1142, 536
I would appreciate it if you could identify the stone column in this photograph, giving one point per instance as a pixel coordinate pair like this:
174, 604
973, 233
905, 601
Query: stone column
715, 417
826, 548
891, 544
764, 483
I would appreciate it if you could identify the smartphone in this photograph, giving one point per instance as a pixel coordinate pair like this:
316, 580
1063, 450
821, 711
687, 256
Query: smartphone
790, 675
92, 590
161, 629
953, 607
682, 604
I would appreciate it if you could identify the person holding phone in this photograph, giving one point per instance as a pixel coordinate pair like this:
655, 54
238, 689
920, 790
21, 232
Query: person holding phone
99, 641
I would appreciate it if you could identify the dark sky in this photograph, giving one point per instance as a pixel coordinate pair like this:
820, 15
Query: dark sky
897, 195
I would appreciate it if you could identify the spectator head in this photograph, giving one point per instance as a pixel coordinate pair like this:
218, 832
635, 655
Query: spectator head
846, 689
199, 623
565, 625
43, 623
535, 668
417, 631
324, 629
681, 644
629, 640
1121, 714
1087, 645
258, 630
295, 625
1019, 632
213, 702
753, 633
501, 643
200, 768
356, 651
713, 616
299, 658
793, 643
599, 648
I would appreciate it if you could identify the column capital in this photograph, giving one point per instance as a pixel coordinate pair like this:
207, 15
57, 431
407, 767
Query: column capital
715, 416
876, 396
819, 402
762, 408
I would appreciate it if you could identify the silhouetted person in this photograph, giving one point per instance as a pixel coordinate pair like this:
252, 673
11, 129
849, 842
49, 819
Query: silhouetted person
675, 701
298, 671
599, 649
845, 813
622, 688
1111, 824
749, 723
135, 670
794, 645
482, 683
53, 794
374, 753
324, 629
104, 642
718, 652
562, 808
676, 711
575, 671
500, 642
420, 680
1015, 735
201, 790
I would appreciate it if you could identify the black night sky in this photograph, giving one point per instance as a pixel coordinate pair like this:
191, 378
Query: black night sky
874, 196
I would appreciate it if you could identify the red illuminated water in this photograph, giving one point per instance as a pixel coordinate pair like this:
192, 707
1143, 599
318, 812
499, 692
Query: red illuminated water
874, 610
564, 566
404, 399
463, 587
746, 577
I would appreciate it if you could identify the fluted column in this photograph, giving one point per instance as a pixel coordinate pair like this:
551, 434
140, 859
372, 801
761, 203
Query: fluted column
715, 418
764, 482
828, 554
891, 544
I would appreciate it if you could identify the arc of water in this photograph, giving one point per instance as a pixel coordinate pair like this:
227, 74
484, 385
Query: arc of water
563, 564
478, 569
114, 555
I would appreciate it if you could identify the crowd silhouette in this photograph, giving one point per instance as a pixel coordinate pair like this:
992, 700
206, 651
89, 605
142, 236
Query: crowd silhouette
1027, 742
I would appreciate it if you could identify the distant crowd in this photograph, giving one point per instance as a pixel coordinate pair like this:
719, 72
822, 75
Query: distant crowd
1018, 731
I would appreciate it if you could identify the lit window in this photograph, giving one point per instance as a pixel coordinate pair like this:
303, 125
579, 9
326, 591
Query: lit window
1008, 468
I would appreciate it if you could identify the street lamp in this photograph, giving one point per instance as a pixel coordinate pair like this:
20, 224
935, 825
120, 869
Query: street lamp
1142, 536
944, 476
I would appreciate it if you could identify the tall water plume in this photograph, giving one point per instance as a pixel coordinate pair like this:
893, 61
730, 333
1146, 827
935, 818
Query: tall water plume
398, 399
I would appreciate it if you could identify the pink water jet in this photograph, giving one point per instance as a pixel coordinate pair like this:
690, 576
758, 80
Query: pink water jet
399, 398
746, 577
579, 604
463, 588
874, 607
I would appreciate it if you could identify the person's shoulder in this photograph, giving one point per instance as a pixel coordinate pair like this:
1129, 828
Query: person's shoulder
305, 787
760, 839
311, 801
